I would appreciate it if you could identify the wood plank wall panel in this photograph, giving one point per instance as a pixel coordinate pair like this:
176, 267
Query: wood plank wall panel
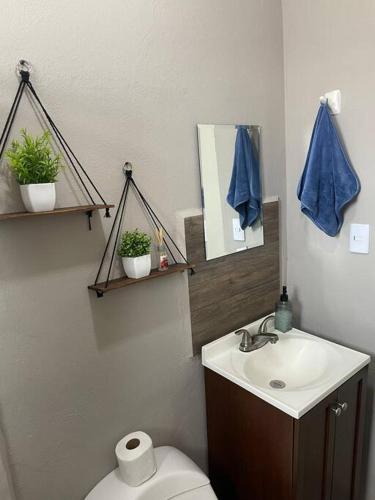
228, 292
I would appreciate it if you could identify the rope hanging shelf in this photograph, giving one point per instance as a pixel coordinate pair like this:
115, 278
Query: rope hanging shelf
114, 284
91, 191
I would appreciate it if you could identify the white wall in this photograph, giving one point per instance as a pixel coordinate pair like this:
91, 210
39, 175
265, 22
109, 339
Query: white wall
329, 45
125, 80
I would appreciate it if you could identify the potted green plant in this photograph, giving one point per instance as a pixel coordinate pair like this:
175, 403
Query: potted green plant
35, 167
135, 250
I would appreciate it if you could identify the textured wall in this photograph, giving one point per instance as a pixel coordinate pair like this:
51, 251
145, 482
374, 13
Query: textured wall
6, 483
125, 79
329, 45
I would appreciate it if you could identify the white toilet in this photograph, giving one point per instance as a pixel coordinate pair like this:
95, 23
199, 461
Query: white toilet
177, 477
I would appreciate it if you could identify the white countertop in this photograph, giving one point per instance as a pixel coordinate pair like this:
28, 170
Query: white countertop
311, 367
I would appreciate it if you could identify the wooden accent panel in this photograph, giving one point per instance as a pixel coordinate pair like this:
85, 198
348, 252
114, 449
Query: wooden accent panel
250, 450
228, 292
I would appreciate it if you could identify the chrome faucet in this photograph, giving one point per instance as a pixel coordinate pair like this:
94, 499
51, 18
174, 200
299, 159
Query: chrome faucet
251, 343
262, 330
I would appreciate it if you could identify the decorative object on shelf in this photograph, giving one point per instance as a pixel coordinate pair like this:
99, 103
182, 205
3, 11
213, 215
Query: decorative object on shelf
135, 251
162, 251
113, 284
34, 183
35, 167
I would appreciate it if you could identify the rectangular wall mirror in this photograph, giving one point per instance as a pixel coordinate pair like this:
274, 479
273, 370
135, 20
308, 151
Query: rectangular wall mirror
223, 233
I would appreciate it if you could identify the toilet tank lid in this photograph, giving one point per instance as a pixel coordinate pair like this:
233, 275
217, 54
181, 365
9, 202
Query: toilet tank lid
176, 473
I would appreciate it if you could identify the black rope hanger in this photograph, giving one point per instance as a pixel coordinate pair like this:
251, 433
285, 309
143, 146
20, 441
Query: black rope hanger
118, 220
23, 70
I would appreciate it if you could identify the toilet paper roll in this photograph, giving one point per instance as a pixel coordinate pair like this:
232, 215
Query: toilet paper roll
136, 458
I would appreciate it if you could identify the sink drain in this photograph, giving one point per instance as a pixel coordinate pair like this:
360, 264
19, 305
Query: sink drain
277, 384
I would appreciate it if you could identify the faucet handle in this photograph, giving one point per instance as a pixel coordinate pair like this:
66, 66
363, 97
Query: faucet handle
247, 339
242, 331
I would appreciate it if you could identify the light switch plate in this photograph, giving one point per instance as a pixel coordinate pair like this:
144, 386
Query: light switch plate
359, 238
238, 233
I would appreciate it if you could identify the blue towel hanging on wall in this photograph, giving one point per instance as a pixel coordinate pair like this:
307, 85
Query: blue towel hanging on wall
245, 194
328, 181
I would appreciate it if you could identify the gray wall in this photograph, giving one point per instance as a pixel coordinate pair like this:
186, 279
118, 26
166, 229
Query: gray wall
125, 79
329, 45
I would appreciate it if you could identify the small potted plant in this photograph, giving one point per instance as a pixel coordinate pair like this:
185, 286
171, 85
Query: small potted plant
135, 250
35, 167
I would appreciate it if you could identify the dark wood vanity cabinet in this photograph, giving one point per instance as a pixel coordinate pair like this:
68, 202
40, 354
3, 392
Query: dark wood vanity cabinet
257, 452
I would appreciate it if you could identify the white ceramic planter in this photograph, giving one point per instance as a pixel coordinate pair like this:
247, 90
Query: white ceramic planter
39, 197
137, 267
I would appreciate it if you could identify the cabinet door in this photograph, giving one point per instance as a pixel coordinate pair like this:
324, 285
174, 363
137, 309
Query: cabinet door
314, 440
250, 444
328, 445
349, 438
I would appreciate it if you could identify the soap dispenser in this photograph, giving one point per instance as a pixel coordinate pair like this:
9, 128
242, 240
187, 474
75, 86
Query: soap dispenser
283, 313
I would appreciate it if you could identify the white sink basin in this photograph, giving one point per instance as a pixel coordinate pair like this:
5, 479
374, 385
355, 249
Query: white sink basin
293, 375
297, 361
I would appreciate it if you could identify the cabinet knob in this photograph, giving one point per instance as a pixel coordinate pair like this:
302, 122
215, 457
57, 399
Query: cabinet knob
343, 406
336, 409
339, 408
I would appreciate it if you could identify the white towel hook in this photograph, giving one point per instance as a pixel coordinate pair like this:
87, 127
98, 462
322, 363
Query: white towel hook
333, 99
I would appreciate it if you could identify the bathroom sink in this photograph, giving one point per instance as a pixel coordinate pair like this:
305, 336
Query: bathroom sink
295, 361
293, 375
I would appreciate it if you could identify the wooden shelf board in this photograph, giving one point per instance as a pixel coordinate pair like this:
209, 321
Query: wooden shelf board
125, 281
57, 211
